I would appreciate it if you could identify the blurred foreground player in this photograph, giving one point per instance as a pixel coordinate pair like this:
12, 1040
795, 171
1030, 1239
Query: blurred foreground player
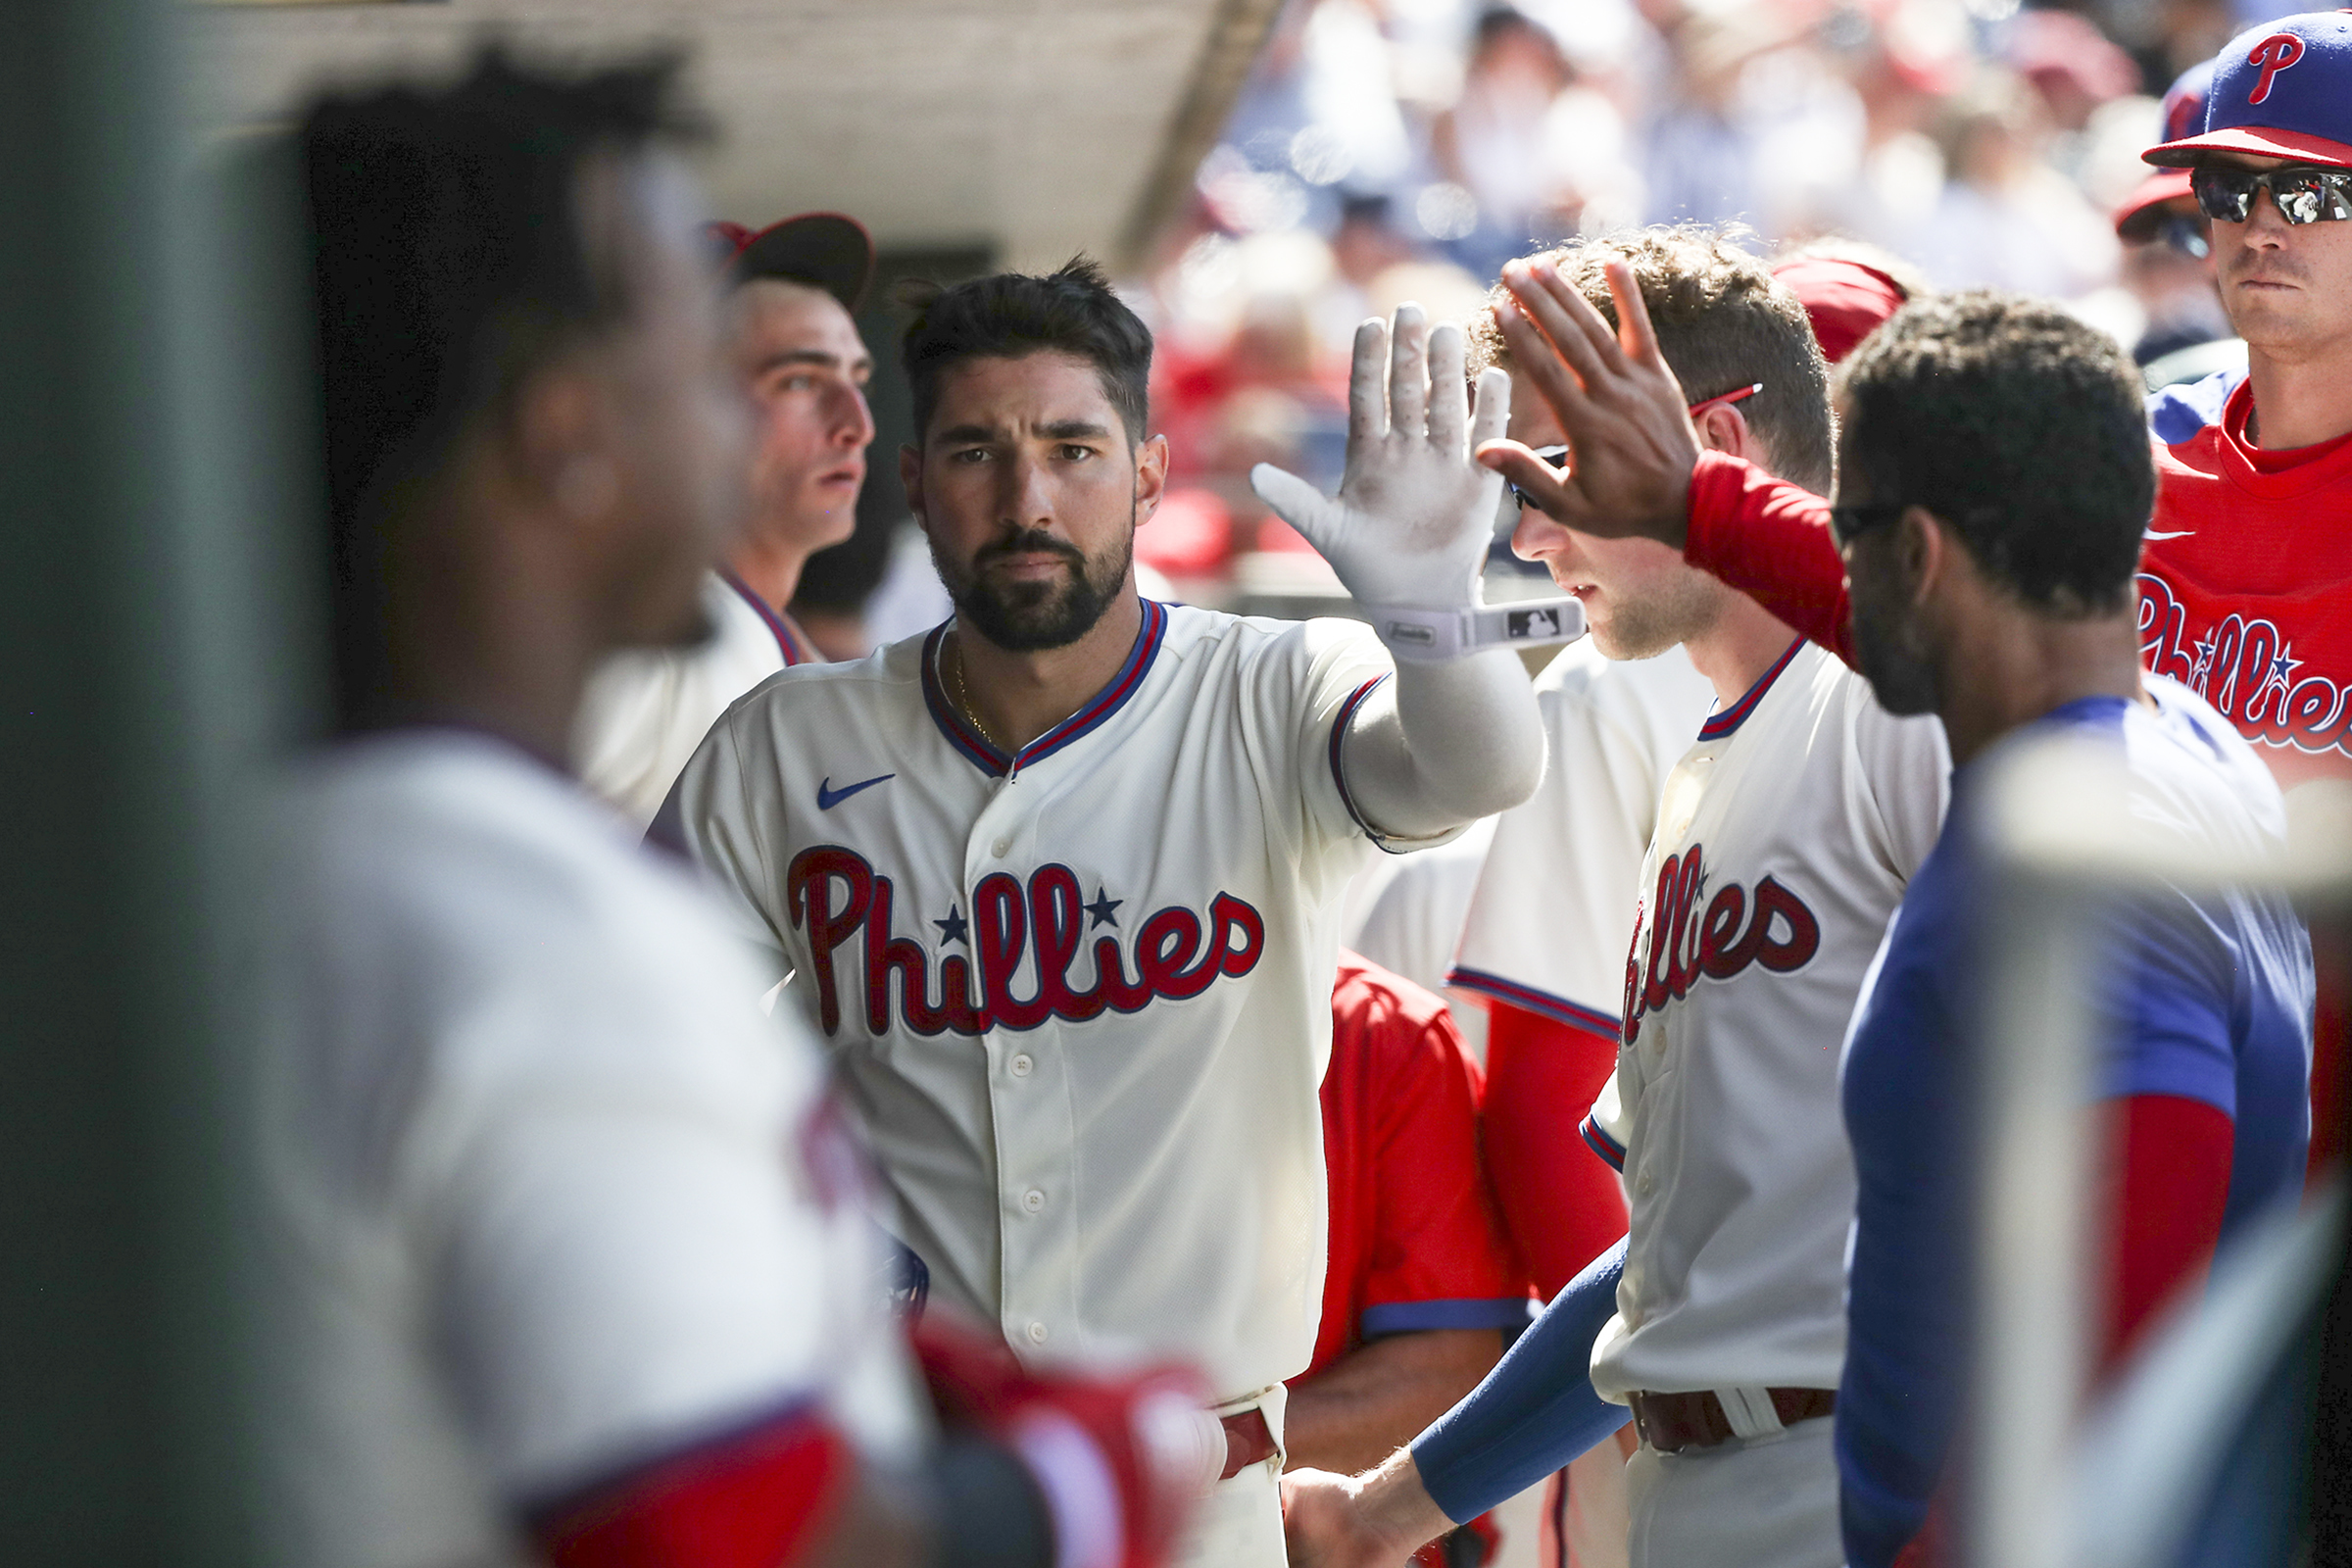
1994, 484
1420, 1284
1062, 879
792, 290
1784, 837
570, 1247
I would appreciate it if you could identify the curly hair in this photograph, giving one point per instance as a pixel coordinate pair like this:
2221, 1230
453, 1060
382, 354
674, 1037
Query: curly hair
1723, 323
2018, 426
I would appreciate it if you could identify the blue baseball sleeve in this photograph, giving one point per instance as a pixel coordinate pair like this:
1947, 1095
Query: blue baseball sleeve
1535, 1411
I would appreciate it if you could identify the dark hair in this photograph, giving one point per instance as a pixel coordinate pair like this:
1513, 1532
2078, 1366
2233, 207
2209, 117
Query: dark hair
1012, 314
450, 263
2018, 427
1723, 322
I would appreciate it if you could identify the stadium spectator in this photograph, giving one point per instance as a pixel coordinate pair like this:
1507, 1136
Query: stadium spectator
568, 1251
793, 288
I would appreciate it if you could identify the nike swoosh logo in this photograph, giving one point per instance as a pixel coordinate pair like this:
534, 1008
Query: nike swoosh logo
2183, 534
827, 797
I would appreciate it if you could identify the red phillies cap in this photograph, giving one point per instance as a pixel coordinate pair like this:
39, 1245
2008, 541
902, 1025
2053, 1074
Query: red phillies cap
1847, 299
2279, 91
823, 250
2182, 115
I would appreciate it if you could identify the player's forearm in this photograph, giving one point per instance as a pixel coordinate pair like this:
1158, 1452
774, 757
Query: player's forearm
1770, 539
1458, 740
1356, 1411
1535, 1411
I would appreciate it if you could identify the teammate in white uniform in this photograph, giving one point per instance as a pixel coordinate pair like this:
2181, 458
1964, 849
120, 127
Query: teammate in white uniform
568, 1248
1060, 880
1783, 842
794, 286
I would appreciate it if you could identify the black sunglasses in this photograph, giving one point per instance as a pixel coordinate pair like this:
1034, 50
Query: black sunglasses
1849, 523
1558, 456
2303, 193
2190, 236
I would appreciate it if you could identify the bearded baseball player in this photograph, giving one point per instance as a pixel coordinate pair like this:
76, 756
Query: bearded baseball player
1059, 882
1784, 837
571, 1255
793, 288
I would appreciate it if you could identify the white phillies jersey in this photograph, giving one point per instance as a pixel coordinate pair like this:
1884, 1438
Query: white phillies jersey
1785, 840
645, 712
1083, 997
546, 1200
1546, 926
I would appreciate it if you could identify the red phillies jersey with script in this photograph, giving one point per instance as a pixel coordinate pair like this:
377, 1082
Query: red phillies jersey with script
2247, 588
1415, 1240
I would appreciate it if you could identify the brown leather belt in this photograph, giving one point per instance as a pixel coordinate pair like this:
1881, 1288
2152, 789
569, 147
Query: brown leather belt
1248, 1441
1673, 1422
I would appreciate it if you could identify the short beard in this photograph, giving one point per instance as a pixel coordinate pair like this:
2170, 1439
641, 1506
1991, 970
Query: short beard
1901, 679
1030, 617
1646, 627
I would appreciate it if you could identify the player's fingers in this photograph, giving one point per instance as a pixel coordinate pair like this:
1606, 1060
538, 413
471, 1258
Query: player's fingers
1533, 355
1408, 371
1636, 337
1491, 413
1295, 501
1578, 333
1535, 479
1367, 384
1448, 390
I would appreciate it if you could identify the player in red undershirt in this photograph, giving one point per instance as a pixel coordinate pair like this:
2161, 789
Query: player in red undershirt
1420, 1285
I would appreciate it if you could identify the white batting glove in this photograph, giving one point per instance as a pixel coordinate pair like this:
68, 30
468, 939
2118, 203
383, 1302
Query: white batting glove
1409, 530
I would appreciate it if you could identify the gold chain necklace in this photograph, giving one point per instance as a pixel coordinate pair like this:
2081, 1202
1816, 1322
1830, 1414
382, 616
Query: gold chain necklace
964, 701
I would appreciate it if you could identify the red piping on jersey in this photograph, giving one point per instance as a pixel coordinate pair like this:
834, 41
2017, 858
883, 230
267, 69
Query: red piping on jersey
787, 640
1543, 1003
1338, 774
985, 755
1597, 1138
1718, 725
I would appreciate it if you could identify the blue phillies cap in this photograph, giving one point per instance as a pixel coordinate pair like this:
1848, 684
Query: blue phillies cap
2281, 90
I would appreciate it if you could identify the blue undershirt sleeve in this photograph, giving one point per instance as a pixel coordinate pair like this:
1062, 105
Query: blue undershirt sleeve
1535, 1411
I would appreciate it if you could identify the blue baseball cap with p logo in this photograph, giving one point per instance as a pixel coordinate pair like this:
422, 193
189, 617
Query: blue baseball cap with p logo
2279, 91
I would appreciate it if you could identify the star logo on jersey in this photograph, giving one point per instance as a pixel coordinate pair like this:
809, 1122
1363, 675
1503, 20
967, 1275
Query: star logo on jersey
827, 797
953, 928
1104, 909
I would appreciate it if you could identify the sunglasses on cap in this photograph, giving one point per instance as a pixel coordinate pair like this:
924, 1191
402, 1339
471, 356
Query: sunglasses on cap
1558, 456
2303, 193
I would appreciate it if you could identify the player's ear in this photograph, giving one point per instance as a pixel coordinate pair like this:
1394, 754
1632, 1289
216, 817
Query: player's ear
1151, 477
1922, 552
910, 475
1724, 428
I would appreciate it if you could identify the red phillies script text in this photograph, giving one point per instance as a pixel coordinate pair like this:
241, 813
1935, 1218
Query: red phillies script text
834, 893
1735, 932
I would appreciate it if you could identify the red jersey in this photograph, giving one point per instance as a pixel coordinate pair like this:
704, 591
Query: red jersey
1415, 1240
2245, 588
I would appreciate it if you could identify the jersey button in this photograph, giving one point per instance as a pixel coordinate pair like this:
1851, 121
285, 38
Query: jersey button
1022, 1066
1644, 1186
1033, 1200
999, 848
1037, 1334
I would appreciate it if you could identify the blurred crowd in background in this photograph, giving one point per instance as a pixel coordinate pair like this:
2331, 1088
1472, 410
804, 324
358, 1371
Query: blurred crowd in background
1386, 150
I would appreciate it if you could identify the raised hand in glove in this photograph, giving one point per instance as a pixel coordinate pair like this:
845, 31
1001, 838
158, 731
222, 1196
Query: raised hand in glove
1415, 514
